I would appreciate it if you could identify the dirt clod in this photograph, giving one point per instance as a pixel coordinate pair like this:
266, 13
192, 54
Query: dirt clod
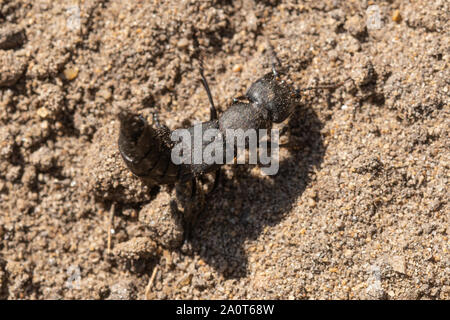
163, 220
138, 248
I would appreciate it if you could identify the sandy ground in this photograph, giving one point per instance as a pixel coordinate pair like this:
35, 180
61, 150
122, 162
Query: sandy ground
358, 210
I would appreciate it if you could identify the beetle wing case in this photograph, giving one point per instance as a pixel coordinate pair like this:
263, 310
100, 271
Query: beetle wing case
274, 95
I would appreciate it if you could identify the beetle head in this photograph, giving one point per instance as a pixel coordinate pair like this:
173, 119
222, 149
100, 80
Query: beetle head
274, 95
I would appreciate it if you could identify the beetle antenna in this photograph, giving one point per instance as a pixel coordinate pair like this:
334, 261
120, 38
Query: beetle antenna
212, 108
324, 86
274, 61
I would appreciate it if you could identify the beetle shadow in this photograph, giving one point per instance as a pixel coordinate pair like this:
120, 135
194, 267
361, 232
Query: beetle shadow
238, 212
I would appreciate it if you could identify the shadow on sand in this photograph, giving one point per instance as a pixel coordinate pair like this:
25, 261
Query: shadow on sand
243, 205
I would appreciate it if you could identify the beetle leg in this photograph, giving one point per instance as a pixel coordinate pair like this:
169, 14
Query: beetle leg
216, 180
194, 188
193, 210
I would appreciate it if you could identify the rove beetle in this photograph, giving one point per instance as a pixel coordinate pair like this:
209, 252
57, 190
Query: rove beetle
146, 150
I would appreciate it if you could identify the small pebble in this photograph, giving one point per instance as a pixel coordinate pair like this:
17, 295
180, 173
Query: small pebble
261, 47
185, 281
398, 264
237, 68
348, 253
183, 43
105, 94
42, 112
396, 16
70, 73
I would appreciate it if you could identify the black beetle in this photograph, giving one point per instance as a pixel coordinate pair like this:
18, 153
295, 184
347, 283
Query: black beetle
146, 150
